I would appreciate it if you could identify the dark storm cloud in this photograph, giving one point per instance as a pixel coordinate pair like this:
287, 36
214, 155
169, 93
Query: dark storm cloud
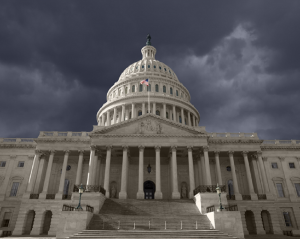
59, 58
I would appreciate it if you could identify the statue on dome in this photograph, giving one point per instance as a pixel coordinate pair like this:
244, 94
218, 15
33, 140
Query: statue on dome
148, 43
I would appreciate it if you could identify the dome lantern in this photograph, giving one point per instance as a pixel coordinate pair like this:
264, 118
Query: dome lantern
148, 51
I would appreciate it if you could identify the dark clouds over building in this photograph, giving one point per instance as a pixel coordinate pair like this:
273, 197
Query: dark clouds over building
239, 60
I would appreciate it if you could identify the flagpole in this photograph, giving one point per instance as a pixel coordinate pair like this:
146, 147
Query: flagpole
149, 96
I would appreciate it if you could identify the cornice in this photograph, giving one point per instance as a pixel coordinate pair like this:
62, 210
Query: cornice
234, 141
146, 136
23, 146
62, 140
280, 147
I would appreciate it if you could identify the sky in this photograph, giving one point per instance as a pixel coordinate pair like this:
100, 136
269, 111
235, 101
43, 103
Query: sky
240, 61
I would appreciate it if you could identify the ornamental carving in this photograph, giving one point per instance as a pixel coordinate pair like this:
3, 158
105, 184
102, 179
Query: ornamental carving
149, 126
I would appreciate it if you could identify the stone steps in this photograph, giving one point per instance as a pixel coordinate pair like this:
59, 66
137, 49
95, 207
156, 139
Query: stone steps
209, 234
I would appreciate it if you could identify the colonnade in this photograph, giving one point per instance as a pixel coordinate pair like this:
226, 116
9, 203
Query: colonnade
124, 113
202, 162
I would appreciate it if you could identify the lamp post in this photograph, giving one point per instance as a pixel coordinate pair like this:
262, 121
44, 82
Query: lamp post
218, 189
80, 192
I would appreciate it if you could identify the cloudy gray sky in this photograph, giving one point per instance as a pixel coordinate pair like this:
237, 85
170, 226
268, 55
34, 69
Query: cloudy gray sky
240, 60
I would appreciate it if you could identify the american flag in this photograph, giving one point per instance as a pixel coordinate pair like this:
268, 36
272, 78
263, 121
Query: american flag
145, 82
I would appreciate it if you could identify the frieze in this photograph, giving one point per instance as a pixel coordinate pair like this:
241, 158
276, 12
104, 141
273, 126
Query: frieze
279, 147
234, 141
26, 146
57, 140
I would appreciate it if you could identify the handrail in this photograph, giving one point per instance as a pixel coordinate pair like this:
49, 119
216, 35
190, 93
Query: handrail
230, 208
208, 189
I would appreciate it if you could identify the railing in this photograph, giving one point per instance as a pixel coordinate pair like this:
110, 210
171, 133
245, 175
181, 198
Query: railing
230, 208
62, 133
9, 140
6, 233
90, 188
233, 135
76, 134
66, 197
89, 209
34, 196
261, 196
67, 208
246, 197
282, 142
210, 209
48, 133
27, 140
17, 140
288, 233
50, 196
230, 197
208, 189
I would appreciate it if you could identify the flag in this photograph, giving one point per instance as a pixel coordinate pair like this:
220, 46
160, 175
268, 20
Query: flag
145, 82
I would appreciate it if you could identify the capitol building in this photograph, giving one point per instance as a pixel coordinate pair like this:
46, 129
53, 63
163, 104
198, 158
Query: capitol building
147, 155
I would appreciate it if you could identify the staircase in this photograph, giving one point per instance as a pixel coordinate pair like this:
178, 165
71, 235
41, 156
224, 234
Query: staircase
133, 218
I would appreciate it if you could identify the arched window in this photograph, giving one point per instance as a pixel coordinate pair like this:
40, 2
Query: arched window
157, 112
176, 92
141, 88
133, 88
126, 89
171, 91
130, 115
180, 121
167, 115
149, 87
139, 113
164, 89
156, 87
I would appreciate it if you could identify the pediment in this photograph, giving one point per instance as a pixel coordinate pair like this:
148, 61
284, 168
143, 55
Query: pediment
148, 125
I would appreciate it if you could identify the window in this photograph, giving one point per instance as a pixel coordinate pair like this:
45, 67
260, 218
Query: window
171, 91
156, 87
230, 188
167, 115
280, 190
297, 186
139, 113
6, 219
287, 219
164, 89
133, 88
2, 163
228, 168
274, 165
21, 164
141, 88
176, 92
292, 165
160, 67
154, 66
149, 87
180, 121
68, 167
165, 69
148, 66
136, 67
14, 189
157, 112
142, 66
130, 115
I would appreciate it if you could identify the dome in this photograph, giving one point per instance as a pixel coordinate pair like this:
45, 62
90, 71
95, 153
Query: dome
165, 96
148, 66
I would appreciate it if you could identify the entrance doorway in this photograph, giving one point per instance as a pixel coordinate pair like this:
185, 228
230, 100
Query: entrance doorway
149, 189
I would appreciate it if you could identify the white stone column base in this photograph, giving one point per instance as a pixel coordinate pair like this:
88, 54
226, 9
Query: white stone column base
26, 195
254, 197
238, 197
158, 195
122, 195
42, 195
107, 194
140, 195
175, 195
58, 196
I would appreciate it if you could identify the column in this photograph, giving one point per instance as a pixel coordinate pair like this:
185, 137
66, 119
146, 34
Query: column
237, 194
257, 178
154, 108
103, 119
63, 176
91, 165
249, 177
108, 118
123, 192
133, 110
127, 114
175, 192
47, 177
79, 168
203, 169
33, 173
194, 120
94, 173
38, 223
107, 171
189, 118
174, 113
199, 171
140, 193
115, 115
165, 111
158, 193
220, 182
191, 172
39, 178
269, 195
143, 108
123, 113
207, 167
182, 117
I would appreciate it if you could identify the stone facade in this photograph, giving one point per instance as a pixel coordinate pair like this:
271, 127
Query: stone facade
148, 144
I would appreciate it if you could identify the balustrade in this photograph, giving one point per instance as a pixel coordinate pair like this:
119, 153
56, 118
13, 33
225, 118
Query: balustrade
209, 189
90, 188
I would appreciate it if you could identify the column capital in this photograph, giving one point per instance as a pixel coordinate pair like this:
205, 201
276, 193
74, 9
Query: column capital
108, 147
141, 147
217, 152
66, 151
30, 157
173, 147
52, 151
157, 147
259, 153
205, 148
81, 152
125, 147
245, 153
281, 158
265, 158
190, 148
38, 152
93, 147
230, 153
